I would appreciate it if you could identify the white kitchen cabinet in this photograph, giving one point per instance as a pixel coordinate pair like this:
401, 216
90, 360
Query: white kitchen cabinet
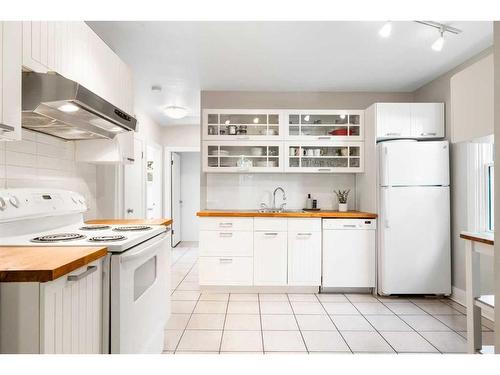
242, 124
73, 50
242, 156
409, 120
270, 258
10, 80
304, 252
324, 157
325, 125
63, 316
225, 271
427, 120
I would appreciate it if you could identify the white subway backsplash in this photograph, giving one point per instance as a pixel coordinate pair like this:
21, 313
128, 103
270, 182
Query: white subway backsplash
248, 191
43, 161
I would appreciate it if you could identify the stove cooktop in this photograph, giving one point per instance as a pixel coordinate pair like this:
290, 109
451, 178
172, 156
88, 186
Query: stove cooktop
117, 238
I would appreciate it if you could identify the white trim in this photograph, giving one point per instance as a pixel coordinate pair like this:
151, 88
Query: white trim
458, 296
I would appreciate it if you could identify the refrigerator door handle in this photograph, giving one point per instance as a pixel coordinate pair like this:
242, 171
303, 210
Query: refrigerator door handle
386, 213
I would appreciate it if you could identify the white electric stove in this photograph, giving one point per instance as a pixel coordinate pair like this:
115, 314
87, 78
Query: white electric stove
136, 272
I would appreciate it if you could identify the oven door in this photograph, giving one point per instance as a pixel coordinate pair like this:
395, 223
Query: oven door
139, 297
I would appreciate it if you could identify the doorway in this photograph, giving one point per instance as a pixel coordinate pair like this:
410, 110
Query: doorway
183, 192
153, 182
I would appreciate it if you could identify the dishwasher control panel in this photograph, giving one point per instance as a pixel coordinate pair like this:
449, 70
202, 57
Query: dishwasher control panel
346, 224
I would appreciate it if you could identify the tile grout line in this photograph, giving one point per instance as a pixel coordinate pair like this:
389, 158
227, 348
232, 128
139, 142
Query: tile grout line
395, 351
261, 327
224, 324
297, 322
400, 318
337, 328
185, 328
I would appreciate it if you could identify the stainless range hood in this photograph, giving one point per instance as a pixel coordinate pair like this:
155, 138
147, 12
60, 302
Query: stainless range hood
63, 108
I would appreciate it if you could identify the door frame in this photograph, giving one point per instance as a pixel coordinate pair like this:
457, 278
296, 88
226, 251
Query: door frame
158, 148
167, 180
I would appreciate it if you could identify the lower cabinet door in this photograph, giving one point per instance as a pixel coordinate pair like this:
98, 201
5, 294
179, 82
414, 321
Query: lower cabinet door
270, 258
304, 258
225, 270
71, 312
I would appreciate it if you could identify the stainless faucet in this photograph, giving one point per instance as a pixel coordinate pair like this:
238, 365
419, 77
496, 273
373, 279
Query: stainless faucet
274, 197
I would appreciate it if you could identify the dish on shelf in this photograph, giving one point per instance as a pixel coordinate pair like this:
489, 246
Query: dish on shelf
257, 151
268, 132
261, 163
272, 163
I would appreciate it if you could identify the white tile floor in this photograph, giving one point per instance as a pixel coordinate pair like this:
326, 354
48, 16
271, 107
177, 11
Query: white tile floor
306, 323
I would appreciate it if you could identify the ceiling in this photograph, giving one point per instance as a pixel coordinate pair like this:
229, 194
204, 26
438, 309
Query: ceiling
187, 57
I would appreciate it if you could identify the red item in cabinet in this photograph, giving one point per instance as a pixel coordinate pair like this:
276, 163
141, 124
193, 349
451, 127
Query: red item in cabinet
342, 131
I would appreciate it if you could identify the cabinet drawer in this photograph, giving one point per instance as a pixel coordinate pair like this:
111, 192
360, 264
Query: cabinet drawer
304, 225
270, 224
222, 243
226, 270
227, 223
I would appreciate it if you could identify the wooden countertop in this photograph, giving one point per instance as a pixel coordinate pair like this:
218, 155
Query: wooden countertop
486, 238
44, 263
165, 221
317, 214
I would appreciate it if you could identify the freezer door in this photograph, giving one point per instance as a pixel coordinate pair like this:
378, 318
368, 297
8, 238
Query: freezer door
411, 163
414, 249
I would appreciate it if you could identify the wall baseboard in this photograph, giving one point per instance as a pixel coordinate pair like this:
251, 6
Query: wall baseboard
458, 296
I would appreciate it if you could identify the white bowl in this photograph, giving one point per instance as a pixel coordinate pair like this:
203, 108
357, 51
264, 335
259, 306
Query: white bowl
257, 151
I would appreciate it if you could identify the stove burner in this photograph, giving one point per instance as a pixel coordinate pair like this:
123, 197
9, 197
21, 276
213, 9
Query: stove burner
95, 227
58, 237
107, 238
132, 228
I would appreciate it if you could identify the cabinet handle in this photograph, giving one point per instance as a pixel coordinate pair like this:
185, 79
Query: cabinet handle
392, 134
225, 225
243, 137
90, 269
6, 128
431, 134
324, 137
225, 260
271, 234
225, 234
304, 234
324, 169
349, 225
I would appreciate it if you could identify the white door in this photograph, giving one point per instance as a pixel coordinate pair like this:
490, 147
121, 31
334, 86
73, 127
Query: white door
393, 120
427, 120
139, 297
133, 185
304, 258
405, 163
270, 258
176, 198
153, 182
414, 252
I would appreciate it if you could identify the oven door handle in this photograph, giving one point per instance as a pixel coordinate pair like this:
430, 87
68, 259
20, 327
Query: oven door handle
142, 253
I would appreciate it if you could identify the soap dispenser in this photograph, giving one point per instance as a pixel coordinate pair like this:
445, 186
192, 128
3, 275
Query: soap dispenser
309, 203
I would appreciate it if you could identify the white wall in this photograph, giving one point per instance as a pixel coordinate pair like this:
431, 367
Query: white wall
42, 161
190, 194
247, 191
181, 136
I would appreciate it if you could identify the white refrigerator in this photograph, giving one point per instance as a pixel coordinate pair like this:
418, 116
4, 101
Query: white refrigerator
414, 255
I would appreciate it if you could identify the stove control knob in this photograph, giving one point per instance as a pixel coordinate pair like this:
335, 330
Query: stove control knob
14, 201
74, 200
81, 201
3, 205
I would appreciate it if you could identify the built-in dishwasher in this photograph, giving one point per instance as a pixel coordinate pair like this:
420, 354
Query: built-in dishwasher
348, 253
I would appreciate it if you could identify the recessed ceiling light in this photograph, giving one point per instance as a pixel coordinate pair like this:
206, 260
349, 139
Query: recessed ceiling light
68, 107
439, 43
175, 112
386, 30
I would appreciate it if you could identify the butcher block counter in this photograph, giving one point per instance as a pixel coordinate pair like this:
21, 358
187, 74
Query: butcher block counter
44, 263
165, 221
290, 214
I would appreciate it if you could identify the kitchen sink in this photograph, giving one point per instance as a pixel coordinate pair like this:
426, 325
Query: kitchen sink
279, 211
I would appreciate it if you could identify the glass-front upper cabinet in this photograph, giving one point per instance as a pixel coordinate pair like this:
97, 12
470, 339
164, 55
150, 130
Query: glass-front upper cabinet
325, 125
235, 124
324, 157
243, 156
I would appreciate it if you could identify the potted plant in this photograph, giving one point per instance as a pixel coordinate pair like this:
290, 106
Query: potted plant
342, 196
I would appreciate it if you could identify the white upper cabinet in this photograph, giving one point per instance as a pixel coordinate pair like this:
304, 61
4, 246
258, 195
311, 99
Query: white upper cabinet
393, 120
242, 124
324, 125
73, 50
10, 80
427, 120
410, 120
